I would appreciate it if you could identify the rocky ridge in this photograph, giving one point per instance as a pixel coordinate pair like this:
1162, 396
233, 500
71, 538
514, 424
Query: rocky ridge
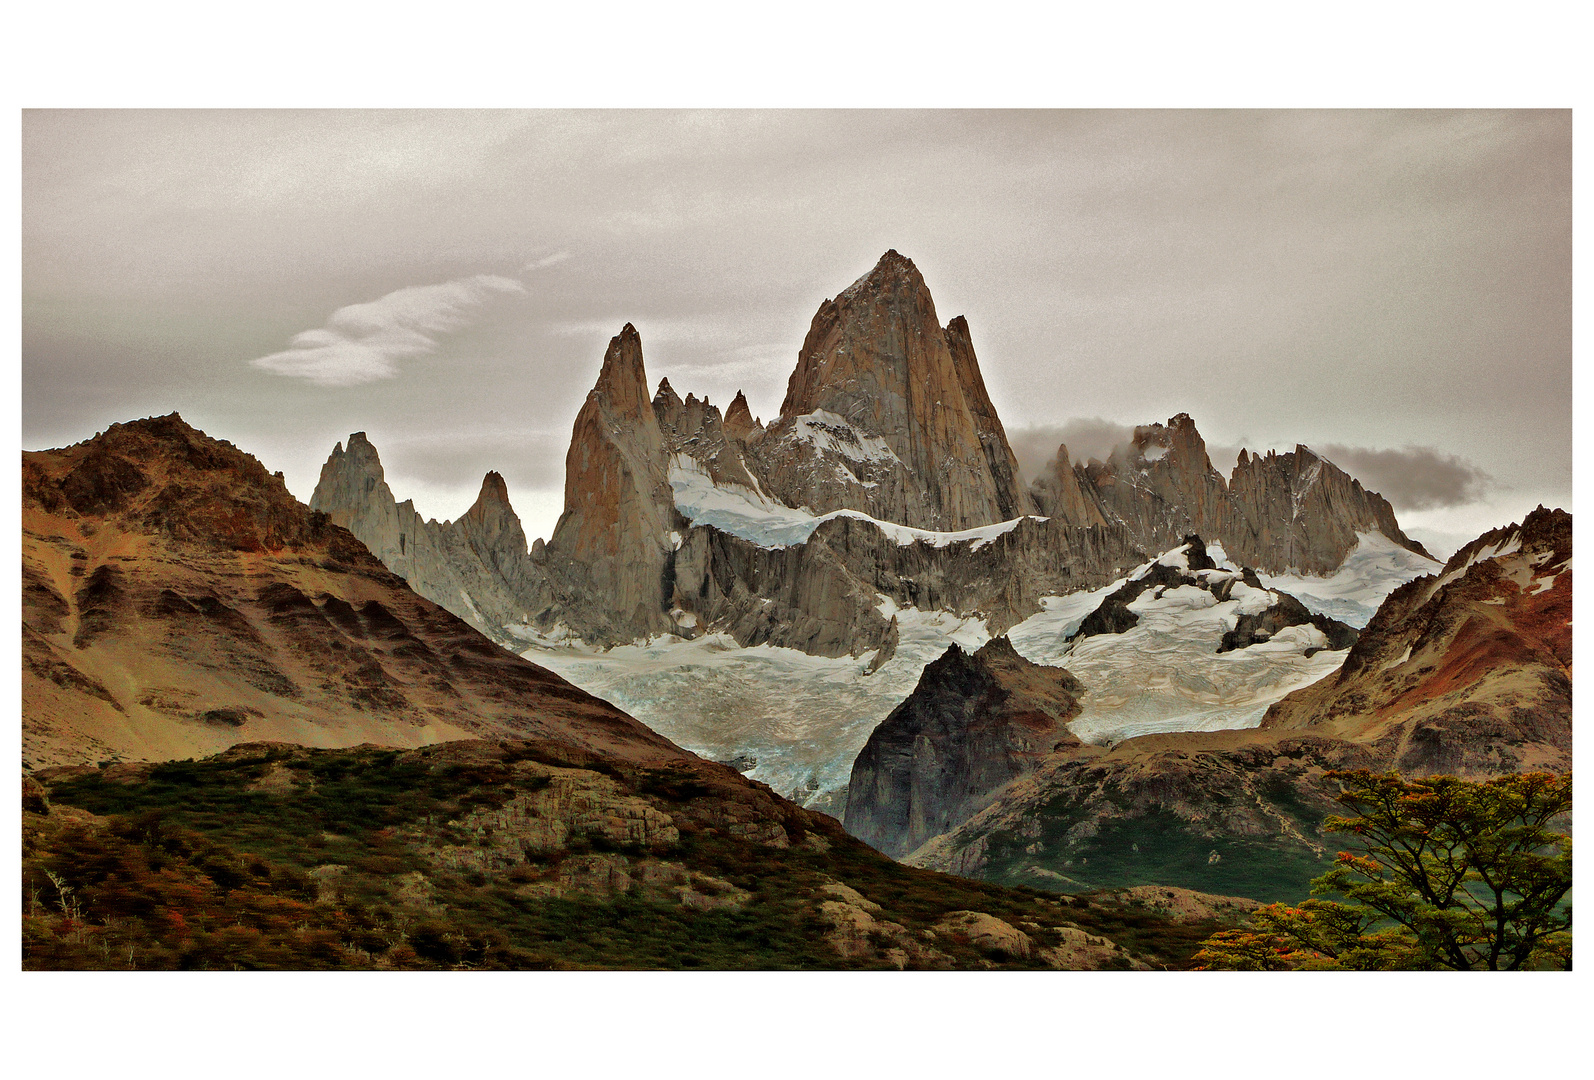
478, 567
887, 475
1276, 512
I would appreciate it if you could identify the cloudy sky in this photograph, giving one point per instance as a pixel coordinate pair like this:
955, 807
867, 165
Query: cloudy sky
1391, 288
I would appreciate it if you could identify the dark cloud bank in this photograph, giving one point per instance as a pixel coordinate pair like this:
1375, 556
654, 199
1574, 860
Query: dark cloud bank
1411, 478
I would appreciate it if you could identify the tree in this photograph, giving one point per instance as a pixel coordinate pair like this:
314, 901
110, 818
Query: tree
1453, 874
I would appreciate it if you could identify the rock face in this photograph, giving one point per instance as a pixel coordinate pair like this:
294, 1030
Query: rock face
477, 566
1466, 672
614, 534
973, 724
1302, 511
824, 595
177, 600
1278, 512
886, 413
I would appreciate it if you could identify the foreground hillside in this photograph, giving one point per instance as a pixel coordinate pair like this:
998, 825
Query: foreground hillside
516, 854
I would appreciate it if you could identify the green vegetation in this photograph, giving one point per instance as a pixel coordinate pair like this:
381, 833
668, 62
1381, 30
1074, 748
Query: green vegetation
1157, 848
296, 858
1453, 875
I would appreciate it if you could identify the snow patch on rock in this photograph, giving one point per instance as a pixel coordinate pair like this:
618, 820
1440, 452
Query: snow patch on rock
753, 516
1375, 567
828, 433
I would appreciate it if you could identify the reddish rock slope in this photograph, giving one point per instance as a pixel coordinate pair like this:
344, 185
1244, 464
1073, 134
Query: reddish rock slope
178, 600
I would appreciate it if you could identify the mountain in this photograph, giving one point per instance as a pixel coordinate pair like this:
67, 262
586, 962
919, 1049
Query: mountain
887, 414
1465, 672
689, 532
887, 477
1468, 672
975, 723
1276, 513
177, 600
614, 535
885, 472
478, 567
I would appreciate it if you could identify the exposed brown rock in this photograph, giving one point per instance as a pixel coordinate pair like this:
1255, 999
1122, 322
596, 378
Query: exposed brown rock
205, 606
739, 422
876, 363
613, 537
1011, 499
1059, 493
1468, 672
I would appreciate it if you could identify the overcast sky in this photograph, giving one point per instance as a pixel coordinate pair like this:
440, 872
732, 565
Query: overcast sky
1392, 288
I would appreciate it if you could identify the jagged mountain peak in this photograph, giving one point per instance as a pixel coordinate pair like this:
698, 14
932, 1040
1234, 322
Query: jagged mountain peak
1542, 529
494, 489
893, 271
1177, 441
666, 397
739, 422
622, 381
360, 453
877, 360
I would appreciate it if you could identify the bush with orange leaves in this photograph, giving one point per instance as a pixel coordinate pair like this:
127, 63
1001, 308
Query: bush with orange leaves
1452, 875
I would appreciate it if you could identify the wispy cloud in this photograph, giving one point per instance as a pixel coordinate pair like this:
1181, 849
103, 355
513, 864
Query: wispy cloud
362, 343
1413, 477
546, 261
